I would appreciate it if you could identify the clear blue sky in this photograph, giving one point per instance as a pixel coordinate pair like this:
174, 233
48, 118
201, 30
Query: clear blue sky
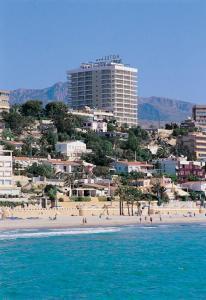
165, 40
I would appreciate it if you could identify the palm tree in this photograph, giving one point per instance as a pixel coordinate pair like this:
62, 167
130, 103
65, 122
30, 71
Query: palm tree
43, 144
69, 179
28, 144
120, 191
130, 195
149, 198
159, 190
162, 152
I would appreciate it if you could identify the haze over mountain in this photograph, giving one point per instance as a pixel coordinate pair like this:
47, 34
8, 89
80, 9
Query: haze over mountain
151, 109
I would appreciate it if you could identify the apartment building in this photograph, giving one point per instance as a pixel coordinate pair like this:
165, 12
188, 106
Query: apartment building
195, 143
4, 101
105, 84
6, 174
199, 114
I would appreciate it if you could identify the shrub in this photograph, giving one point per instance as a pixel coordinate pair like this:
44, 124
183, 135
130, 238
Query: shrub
80, 199
102, 198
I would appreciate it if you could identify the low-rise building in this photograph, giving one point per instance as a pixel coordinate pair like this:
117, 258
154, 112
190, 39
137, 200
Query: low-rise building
64, 166
46, 125
23, 162
188, 124
93, 114
135, 166
185, 169
166, 165
96, 126
197, 186
71, 149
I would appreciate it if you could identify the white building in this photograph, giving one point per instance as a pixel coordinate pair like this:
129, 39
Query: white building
6, 174
133, 166
96, 126
106, 84
197, 186
71, 149
93, 114
4, 101
63, 166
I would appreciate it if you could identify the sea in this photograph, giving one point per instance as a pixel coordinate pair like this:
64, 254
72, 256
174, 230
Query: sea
115, 263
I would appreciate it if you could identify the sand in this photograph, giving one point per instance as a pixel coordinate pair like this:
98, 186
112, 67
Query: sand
74, 221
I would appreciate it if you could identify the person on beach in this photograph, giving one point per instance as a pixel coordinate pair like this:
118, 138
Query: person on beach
85, 220
145, 218
160, 219
140, 220
151, 220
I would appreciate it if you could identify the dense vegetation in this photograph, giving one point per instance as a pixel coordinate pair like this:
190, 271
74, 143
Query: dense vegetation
22, 119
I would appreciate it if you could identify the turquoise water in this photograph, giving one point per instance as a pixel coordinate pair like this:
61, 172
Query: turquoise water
154, 262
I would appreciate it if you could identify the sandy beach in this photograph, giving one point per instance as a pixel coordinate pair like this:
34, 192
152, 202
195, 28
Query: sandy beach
74, 221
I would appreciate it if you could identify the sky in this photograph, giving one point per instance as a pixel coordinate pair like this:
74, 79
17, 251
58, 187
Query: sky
164, 39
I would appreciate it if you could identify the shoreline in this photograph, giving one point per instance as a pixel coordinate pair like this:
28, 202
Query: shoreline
76, 222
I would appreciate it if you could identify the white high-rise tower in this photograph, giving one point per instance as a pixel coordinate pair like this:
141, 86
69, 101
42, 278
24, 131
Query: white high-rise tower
106, 84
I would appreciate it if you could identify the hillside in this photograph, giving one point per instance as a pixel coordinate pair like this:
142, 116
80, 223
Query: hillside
151, 109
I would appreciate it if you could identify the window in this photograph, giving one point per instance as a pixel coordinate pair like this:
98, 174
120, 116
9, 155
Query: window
7, 182
7, 164
7, 173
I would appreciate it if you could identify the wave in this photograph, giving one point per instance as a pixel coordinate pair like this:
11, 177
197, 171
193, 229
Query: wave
10, 235
148, 227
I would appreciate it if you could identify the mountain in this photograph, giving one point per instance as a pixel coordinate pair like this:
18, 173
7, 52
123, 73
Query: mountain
151, 109
164, 109
58, 92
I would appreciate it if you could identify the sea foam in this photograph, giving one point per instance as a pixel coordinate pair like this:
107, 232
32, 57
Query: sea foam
9, 235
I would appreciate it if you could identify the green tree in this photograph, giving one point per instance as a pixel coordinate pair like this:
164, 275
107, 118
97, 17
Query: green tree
56, 109
7, 134
102, 171
132, 142
28, 146
141, 134
51, 192
51, 138
41, 170
163, 152
129, 195
32, 108
16, 122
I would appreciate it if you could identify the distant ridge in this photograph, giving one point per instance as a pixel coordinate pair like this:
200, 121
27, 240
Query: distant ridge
151, 109
56, 92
